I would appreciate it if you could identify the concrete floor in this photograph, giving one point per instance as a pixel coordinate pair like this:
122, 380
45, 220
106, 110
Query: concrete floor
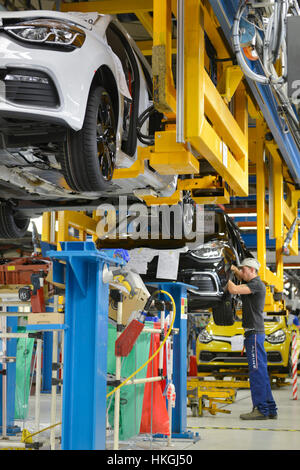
216, 432
228, 432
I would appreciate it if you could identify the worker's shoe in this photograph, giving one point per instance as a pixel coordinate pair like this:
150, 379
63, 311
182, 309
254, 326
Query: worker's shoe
254, 414
274, 416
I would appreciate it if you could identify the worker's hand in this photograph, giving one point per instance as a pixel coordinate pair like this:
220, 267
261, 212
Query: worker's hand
236, 271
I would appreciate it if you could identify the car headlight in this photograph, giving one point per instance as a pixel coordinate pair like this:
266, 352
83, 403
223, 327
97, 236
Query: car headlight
208, 250
278, 336
51, 32
204, 337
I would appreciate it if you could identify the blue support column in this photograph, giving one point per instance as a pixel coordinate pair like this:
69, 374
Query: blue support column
12, 326
47, 362
178, 291
85, 344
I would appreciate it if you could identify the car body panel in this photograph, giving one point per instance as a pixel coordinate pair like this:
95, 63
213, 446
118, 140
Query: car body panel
72, 73
60, 65
213, 272
218, 353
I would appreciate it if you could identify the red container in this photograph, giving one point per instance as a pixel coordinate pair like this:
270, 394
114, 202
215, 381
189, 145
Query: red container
19, 270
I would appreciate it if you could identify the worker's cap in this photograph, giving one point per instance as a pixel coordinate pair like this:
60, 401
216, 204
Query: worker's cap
250, 263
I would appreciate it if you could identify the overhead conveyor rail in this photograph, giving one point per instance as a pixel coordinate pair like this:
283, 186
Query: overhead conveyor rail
225, 11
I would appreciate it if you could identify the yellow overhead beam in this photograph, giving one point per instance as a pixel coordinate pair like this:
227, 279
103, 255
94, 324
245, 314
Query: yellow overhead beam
258, 145
211, 27
242, 118
227, 126
270, 304
138, 167
222, 143
205, 183
112, 7
217, 199
278, 216
79, 220
146, 20
48, 227
230, 80
170, 157
166, 156
164, 92
146, 47
294, 245
158, 201
287, 213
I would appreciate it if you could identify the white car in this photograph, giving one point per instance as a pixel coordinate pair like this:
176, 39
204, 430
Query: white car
75, 102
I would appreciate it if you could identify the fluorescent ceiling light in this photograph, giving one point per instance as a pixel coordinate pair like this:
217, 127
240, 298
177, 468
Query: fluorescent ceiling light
291, 267
242, 214
250, 228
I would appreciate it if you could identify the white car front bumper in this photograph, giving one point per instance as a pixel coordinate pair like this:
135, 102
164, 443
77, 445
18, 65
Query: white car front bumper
71, 72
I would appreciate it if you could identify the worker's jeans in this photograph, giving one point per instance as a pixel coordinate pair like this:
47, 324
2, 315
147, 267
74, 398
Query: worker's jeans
260, 387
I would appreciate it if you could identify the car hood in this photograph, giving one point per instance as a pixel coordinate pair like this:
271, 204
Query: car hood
237, 329
270, 327
86, 20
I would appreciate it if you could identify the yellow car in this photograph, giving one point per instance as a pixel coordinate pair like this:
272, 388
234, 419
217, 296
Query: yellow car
221, 347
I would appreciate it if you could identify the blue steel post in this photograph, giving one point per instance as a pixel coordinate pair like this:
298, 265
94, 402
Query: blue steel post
178, 291
85, 345
12, 326
47, 362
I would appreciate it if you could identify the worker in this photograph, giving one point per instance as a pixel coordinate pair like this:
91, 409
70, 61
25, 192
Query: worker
253, 293
293, 318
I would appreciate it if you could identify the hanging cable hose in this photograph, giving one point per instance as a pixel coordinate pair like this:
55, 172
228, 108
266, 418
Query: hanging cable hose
273, 41
269, 42
157, 351
145, 139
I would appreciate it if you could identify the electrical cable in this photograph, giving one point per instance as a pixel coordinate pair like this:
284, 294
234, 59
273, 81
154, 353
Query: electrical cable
240, 57
145, 139
41, 430
273, 45
158, 349
135, 372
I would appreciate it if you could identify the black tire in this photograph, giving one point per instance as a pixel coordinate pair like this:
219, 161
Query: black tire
88, 157
11, 224
224, 313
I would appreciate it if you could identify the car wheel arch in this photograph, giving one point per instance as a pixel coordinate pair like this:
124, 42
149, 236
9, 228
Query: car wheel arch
105, 77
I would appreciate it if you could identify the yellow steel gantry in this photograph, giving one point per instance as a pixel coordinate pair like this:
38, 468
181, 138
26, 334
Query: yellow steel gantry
215, 129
